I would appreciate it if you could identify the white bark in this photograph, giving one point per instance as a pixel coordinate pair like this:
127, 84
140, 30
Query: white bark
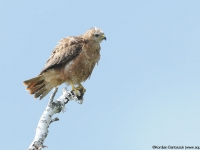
46, 118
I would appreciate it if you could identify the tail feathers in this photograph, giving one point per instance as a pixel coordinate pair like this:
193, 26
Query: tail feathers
43, 91
33, 82
38, 86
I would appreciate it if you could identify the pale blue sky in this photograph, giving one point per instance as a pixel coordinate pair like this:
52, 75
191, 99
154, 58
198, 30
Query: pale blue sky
144, 92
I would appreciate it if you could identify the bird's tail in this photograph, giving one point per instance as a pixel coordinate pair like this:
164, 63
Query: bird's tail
38, 86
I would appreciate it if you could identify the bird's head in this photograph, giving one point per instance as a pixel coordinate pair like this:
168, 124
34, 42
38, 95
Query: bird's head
95, 34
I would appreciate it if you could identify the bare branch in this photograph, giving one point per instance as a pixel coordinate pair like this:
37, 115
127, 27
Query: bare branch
52, 108
53, 95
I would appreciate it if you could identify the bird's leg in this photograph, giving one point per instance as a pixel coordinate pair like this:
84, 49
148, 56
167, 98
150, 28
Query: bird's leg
81, 88
74, 89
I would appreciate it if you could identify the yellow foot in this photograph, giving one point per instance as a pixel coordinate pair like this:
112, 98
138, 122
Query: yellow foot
79, 90
76, 90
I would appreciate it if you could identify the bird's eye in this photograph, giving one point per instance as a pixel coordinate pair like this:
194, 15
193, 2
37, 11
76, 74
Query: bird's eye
96, 35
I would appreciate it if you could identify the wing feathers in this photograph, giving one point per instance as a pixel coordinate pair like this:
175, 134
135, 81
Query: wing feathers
65, 51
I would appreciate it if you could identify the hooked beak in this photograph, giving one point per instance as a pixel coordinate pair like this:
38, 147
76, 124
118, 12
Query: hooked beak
104, 37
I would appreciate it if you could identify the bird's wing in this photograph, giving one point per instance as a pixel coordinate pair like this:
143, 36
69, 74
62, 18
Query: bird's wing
67, 49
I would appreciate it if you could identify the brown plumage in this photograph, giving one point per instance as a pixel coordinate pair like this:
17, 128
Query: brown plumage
72, 61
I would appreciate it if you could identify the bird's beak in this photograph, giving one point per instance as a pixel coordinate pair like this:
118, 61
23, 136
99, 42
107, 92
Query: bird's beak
104, 37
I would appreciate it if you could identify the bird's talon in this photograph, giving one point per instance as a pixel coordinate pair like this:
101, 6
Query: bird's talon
75, 91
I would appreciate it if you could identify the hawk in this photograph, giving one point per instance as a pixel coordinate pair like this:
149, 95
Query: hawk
71, 62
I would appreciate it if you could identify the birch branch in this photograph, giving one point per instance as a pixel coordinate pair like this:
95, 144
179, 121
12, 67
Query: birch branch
51, 109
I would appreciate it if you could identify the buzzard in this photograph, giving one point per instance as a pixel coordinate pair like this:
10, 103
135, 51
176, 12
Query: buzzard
71, 62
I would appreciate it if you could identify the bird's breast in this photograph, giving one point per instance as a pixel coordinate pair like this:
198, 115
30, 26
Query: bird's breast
80, 68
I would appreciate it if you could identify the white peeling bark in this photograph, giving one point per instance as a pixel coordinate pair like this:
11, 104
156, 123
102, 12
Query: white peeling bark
51, 109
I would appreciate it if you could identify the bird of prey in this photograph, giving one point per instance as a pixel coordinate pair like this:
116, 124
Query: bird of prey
71, 62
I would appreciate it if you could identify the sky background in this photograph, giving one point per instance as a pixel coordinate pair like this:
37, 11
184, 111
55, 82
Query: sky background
145, 90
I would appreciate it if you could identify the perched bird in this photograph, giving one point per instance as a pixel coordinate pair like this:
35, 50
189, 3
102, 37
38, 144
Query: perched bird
71, 62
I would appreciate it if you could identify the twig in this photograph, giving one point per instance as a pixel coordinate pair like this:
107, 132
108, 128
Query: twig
53, 95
